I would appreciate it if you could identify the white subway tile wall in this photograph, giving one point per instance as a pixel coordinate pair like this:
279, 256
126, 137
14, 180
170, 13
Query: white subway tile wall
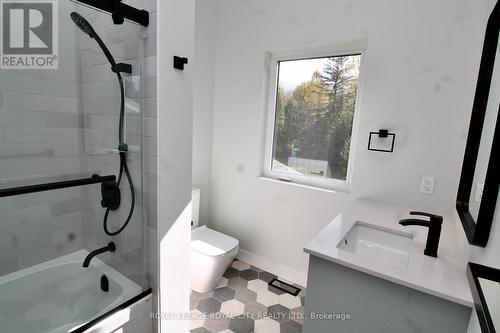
41, 140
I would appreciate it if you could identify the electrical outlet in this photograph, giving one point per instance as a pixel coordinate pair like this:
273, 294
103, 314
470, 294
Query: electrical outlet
427, 185
479, 192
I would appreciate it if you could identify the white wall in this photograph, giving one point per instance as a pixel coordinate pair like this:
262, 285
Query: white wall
175, 116
421, 66
204, 56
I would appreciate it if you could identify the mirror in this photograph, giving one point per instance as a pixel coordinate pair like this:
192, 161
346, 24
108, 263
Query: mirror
486, 143
478, 189
484, 283
491, 291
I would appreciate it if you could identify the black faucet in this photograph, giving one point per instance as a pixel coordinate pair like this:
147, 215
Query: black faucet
111, 247
434, 225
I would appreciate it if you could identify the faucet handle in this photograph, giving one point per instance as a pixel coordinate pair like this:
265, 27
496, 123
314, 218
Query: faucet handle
434, 218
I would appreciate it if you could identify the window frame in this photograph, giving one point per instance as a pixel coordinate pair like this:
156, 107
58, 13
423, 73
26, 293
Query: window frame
274, 59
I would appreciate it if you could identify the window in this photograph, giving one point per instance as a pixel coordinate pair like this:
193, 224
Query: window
312, 118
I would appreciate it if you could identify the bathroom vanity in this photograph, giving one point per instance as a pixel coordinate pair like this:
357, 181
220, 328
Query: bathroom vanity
369, 274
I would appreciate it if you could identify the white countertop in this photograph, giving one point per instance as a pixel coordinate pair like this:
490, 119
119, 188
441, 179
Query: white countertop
443, 277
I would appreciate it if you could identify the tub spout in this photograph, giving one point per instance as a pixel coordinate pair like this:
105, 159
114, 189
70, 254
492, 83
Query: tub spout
108, 248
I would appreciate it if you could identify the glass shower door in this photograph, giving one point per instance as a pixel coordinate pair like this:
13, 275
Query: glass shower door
58, 126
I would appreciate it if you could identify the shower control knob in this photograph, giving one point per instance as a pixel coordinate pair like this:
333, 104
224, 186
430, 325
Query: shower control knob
111, 197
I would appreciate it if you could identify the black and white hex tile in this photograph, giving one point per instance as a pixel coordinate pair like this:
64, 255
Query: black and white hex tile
243, 302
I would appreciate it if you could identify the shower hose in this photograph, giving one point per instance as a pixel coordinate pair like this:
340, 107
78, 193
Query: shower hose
122, 149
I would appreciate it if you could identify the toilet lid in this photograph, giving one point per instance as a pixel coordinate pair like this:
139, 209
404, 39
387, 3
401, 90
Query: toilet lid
211, 242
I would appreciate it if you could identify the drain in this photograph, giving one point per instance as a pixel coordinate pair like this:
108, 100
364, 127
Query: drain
104, 283
283, 286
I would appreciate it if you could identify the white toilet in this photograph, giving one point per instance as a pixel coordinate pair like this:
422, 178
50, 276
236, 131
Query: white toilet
211, 252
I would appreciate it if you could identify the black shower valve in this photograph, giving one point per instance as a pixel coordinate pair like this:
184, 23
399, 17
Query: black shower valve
111, 196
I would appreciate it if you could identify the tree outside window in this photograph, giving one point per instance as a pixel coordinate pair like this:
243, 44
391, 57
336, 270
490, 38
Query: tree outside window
314, 115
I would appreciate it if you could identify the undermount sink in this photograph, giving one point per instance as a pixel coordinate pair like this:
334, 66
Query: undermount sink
378, 244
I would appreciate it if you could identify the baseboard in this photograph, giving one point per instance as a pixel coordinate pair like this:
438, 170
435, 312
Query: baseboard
280, 270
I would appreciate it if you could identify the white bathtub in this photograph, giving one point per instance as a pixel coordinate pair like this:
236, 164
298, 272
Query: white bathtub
59, 295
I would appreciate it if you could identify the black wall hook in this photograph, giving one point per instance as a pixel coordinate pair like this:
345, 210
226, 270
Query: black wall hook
179, 62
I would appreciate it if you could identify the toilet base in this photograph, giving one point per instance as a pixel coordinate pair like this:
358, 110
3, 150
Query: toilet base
206, 271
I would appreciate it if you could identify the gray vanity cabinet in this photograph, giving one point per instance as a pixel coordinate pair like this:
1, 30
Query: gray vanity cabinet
374, 305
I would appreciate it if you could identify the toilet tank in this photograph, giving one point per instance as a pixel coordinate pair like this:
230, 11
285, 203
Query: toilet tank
195, 207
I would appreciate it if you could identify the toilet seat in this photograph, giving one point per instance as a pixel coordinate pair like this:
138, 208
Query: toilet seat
212, 243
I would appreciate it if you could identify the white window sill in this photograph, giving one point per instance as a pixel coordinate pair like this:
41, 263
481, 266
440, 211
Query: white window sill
326, 188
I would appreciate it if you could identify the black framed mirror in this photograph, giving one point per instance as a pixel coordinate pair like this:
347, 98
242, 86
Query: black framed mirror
479, 181
484, 284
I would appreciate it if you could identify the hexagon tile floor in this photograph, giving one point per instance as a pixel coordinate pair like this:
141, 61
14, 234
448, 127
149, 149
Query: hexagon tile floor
243, 302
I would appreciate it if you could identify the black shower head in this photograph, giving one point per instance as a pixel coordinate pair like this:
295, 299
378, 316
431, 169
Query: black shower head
83, 24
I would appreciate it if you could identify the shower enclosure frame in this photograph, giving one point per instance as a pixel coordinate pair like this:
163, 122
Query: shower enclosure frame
123, 306
141, 17
119, 11
95, 179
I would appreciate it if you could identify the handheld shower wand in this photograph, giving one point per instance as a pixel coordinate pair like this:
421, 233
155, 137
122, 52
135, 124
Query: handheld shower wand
87, 28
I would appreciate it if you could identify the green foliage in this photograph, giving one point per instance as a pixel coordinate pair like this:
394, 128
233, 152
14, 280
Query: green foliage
315, 120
